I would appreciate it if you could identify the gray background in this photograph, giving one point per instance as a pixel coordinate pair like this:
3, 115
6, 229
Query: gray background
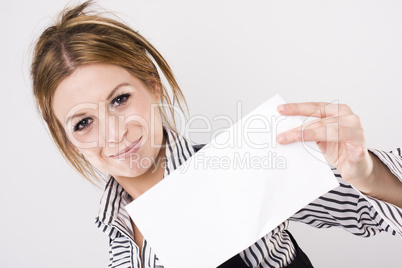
222, 52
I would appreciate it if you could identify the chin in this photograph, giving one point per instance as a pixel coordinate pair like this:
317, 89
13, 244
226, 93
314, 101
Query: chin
132, 166
135, 170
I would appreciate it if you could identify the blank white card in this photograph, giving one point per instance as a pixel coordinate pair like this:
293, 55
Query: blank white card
232, 192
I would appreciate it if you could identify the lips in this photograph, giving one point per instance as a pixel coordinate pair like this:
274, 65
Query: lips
132, 148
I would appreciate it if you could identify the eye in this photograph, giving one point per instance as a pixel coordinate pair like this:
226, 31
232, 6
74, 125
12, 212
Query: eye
119, 101
83, 124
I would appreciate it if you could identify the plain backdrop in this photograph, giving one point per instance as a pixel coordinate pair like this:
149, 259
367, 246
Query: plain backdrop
222, 52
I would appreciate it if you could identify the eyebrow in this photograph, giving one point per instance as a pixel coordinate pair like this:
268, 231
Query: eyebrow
116, 88
74, 116
108, 97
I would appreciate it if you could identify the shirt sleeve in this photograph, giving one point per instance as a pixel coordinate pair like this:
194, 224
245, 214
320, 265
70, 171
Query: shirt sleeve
354, 211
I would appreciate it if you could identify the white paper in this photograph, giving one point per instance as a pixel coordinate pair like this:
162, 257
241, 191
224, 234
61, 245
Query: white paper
212, 207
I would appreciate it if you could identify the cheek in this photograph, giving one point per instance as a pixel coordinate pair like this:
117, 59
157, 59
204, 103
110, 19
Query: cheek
86, 139
145, 120
139, 114
95, 158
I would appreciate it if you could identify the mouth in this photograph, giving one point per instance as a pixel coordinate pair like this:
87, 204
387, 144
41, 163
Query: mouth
130, 149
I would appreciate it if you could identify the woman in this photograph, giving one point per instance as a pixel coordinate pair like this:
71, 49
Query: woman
99, 91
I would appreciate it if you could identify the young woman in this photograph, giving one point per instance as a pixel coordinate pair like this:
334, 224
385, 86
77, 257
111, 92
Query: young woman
100, 93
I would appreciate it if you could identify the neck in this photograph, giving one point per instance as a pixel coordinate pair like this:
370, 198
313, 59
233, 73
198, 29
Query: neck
139, 185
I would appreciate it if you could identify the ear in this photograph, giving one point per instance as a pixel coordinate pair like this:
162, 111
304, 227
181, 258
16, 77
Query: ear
156, 90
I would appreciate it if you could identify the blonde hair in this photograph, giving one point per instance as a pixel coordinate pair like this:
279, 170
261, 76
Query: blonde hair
78, 38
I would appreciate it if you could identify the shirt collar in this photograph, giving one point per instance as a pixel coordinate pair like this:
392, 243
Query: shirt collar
112, 213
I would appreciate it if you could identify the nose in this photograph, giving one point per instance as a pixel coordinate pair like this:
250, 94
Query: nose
112, 129
115, 126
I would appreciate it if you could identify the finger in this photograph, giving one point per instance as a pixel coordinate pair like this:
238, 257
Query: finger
296, 134
314, 109
317, 133
334, 129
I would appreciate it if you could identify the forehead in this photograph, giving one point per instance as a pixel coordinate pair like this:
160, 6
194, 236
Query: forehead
89, 84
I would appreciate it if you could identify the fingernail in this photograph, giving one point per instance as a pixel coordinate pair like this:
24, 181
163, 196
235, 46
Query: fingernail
282, 108
281, 138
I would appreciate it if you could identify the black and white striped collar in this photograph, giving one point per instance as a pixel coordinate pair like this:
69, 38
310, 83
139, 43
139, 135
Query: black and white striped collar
112, 214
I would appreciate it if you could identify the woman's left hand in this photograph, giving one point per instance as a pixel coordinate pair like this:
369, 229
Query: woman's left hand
338, 133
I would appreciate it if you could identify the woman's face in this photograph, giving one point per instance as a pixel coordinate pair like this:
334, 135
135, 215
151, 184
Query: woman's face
111, 118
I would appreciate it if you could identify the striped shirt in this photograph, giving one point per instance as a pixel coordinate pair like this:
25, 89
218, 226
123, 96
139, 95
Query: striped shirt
343, 207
